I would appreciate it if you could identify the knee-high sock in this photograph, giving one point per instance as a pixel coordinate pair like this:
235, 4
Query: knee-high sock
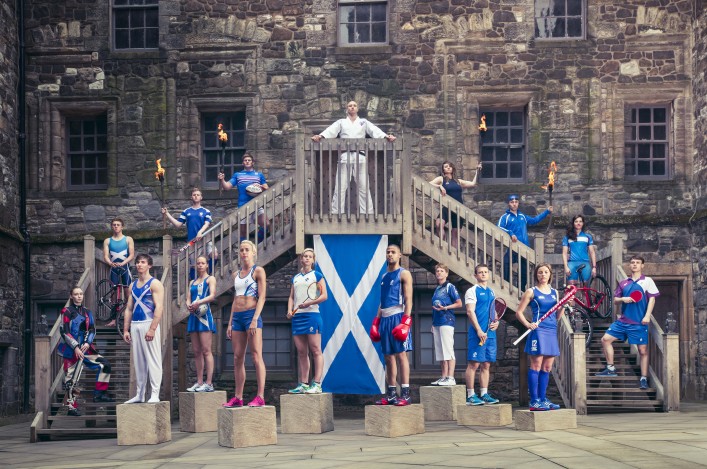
533, 384
543, 380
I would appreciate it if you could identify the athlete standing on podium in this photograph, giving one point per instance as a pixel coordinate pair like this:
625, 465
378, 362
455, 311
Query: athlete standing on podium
391, 327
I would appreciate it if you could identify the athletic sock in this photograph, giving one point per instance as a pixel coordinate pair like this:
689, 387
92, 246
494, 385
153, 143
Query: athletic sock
484, 391
469, 392
391, 391
405, 390
543, 380
533, 384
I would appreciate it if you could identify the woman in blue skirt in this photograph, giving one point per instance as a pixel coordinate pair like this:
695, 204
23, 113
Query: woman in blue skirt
541, 345
201, 324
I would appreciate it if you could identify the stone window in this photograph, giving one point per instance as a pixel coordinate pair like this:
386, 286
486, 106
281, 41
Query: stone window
560, 19
234, 126
136, 24
503, 145
646, 142
363, 23
87, 152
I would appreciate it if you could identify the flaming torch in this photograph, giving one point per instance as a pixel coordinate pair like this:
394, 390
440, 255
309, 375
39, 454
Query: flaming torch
159, 175
223, 139
550, 187
482, 126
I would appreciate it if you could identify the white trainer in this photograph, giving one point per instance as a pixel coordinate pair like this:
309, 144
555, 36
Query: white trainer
154, 399
206, 387
194, 388
135, 400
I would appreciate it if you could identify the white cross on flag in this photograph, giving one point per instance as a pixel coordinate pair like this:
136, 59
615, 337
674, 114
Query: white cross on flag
352, 266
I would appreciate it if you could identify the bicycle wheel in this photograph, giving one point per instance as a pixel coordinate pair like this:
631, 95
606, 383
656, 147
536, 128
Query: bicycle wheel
581, 322
120, 321
600, 297
105, 291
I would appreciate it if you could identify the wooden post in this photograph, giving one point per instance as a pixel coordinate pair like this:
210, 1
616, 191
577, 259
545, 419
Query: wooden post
89, 265
539, 252
579, 372
671, 372
301, 185
405, 188
42, 373
166, 321
523, 397
617, 253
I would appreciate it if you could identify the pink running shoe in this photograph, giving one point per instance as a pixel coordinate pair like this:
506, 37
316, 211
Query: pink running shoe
256, 402
235, 402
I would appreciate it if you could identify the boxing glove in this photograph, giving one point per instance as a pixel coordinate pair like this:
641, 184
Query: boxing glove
375, 333
401, 331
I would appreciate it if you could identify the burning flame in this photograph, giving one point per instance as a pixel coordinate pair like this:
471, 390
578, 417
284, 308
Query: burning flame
222, 136
159, 174
551, 177
482, 126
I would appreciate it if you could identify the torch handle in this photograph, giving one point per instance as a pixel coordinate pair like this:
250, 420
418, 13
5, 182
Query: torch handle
222, 156
549, 223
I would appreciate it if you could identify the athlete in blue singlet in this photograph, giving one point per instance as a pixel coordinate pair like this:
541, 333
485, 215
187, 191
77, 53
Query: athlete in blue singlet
201, 324
245, 326
307, 323
541, 344
118, 251
391, 326
445, 300
578, 249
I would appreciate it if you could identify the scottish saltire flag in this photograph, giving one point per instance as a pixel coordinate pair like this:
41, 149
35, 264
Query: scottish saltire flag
352, 266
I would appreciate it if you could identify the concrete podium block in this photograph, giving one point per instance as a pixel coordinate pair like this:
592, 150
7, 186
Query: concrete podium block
496, 415
391, 421
197, 410
306, 413
440, 402
241, 427
143, 424
561, 419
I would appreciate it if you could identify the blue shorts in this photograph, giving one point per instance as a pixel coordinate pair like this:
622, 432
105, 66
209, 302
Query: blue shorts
586, 272
120, 275
307, 323
242, 319
480, 353
637, 334
543, 341
204, 324
389, 345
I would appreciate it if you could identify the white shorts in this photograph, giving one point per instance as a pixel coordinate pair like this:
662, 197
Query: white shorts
251, 217
444, 342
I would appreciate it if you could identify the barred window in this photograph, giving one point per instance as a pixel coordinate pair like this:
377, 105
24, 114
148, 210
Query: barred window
503, 145
646, 146
214, 156
363, 23
87, 152
560, 19
136, 24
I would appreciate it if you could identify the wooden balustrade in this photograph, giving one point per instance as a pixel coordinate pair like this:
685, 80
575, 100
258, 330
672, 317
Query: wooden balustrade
570, 368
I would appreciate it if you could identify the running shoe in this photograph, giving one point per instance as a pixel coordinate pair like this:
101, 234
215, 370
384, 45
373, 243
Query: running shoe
257, 402
403, 401
235, 402
388, 400
300, 389
206, 387
74, 412
538, 406
314, 388
436, 383
643, 383
550, 405
448, 381
195, 387
607, 372
474, 400
489, 399
102, 397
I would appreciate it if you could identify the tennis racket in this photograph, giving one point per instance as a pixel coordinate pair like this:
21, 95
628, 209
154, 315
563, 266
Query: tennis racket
569, 294
496, 311
313, 292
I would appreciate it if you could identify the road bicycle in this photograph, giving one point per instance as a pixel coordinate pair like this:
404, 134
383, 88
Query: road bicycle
590, 301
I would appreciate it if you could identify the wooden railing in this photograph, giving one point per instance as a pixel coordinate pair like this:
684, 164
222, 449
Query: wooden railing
570, 368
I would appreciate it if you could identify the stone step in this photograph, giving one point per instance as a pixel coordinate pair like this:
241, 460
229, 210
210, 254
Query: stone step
68, 432
61, 418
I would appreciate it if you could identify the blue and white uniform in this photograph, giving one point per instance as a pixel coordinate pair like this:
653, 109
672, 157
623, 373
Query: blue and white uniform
245, 286
482, 298
200, 322
119, 251
579, 254
243, 179
629, 326
194, 218
517, 224
392, 310
147, 356
306, 320
543, 340
443, 321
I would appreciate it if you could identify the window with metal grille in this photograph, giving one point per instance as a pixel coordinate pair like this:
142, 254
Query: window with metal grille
363, 23
560, 19
87, 153
136, 24
228, 158
646, 146
503, 145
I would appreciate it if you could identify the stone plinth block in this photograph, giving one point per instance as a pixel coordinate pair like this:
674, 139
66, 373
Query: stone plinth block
561, 419
441, 402
242, 427
143, 424
306, 413
497, 415
197, 410
393, 421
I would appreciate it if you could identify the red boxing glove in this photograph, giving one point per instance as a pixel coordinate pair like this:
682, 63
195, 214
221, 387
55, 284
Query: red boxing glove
375, 333
401, 331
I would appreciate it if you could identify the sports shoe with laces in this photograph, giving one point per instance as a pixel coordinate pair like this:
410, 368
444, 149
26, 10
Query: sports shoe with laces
206, 387
314, 388
550, 405
489, 399
474, 400
388, 400
448, 381
403, 401
538, 406
607, 372
234, 402
196, 386
300, 389
436, 383
643, 383
257, 402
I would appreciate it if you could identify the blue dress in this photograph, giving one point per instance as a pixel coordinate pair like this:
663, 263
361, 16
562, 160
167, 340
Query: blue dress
199, 322
543, 340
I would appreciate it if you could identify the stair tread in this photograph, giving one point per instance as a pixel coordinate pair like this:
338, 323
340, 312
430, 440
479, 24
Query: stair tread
83, 430
59, 418
617, 389
625, 402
